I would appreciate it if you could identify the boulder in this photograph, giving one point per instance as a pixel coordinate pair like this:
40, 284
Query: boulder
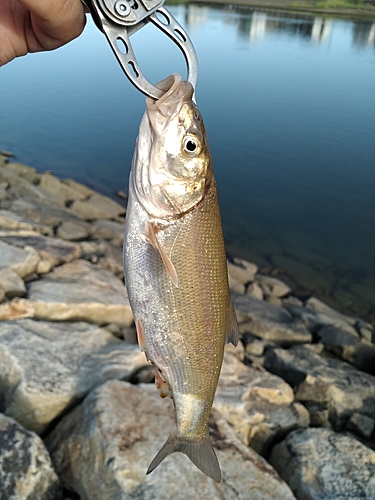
98, 207
11, 283
80, 291
55, 250
86, 191
255, 291
269, 321
259, 406
46, 368
24, 171
242, 271
26, 470
362, 425
361, 355
272, 286
24, 261
16, 309
10, 220
109, 230
336, 338
73, 231
103, 447
323, 380
60, 190
319, 464
319, 306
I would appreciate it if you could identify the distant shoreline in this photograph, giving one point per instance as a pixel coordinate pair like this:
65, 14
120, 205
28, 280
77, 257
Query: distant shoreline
305, 6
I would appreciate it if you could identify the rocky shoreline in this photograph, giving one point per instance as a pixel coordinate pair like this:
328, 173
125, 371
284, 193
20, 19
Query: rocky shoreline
294, 412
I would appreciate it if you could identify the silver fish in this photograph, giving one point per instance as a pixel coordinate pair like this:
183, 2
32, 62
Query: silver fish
175, 267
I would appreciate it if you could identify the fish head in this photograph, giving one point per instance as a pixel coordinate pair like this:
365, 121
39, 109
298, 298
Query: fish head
175, 168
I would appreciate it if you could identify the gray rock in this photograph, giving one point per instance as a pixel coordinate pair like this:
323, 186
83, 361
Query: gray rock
21, 188
104, 254
272, 286
2, 296
11, 283
242, 271
55, 250
269, 321
255, 291
44, 213
319, 306
109, 230
319, 414
73, 231
321, 380
314, 320
362, 425
86, 192
235, 286
335, 338
366, 330
271, 299
46, 368
3, 195
80, 291
258, 405
103, 447
26, 470
361, 355
98, 207
23, 261
319, 464
24, 171
292, 301
57, 188
9, 220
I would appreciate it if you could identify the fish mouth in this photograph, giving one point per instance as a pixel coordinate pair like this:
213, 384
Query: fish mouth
176, 93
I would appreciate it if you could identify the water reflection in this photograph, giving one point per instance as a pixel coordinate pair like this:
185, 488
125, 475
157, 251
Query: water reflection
254, 24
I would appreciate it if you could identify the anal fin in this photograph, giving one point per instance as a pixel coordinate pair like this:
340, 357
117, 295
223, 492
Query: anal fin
162, 385
151, 235
233, 333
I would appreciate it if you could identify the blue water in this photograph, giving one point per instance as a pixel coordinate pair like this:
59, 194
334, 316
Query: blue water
289, 105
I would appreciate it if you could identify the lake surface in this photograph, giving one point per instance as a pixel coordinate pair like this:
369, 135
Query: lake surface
289, 105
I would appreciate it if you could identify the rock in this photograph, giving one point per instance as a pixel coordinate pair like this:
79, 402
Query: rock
242, 271
44, 266
269, 321
271, 299
255, 291
11, 283
362, 425
21, 189
43, 212
80, 291
73, 231
292, 301
335, 338
2, 296
18, 308
98, 207
361, 355
9, 220
255, 345
317, 379
109, 230
238, 351
314, 320
86, 192
320, 465
319, 306
272, 286
60, 190
26, 470
23, 261
3, 195
24, 171
235, 286
53, 249
103, 447
47, 367
319, 414
105, 255
258, 405
366, 330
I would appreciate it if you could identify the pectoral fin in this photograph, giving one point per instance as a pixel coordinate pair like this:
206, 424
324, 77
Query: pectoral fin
162, 385
233, 334
152, 237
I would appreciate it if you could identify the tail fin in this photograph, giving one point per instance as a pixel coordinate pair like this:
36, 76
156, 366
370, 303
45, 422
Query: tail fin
200, 453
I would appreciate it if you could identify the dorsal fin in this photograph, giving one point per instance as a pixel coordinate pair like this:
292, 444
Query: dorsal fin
153, 239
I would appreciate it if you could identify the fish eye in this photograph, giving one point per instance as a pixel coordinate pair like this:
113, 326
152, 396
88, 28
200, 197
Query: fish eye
192, 145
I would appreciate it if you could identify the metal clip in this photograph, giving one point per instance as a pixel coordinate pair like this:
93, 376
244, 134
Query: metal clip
119, 19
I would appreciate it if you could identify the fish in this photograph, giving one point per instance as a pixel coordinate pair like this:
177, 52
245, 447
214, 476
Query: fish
176, 269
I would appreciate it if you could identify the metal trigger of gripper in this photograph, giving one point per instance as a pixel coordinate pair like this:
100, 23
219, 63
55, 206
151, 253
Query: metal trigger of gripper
119, 19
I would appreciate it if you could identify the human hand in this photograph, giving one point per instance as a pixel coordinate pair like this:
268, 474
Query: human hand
37, 25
